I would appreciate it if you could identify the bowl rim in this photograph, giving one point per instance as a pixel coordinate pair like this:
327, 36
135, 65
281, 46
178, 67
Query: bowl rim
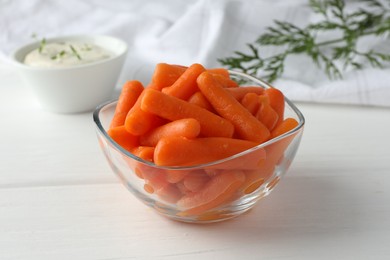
261, 83
28, 47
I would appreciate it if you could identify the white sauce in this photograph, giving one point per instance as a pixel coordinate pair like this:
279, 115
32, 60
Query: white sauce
65, 54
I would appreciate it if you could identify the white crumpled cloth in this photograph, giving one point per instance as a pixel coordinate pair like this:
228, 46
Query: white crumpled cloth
185, 32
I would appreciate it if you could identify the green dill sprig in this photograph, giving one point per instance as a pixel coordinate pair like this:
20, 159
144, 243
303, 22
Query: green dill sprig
74, 51
42, 45
372, 18
58, 55
42, 42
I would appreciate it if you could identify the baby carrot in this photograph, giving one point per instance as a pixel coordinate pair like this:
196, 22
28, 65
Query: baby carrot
225, 82
219, 190
139, 122
183, 189
223, 75
156, 183
154, 178
185, 85
285, 126
165, 75
123, 138
127, 98
276, 101
195, 181
251, 102
180, 151
173, 108
169, 193
240, 92
144, 152
220, 71
266, 114
175, 176
186, 127
246, 125
199, 99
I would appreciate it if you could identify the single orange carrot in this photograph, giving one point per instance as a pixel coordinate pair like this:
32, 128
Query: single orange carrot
165, 75
154, 177
285, 126
186, 127
185, 86
175, 176
138, 122
144, 152
127, 98
169, 193
266, 114
220, 71
183, 189
239, 93
251, 102
195, 181
246, 125
226, 82
219, 190
276, 101
173, 108
156, 183
199, 99
123, 138
181, 151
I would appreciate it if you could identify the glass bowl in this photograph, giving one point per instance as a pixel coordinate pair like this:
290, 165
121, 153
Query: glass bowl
174, 191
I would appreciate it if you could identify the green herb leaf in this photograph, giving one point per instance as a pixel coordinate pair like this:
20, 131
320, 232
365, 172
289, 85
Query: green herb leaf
75, 52
58, 55
42, 45
372, 18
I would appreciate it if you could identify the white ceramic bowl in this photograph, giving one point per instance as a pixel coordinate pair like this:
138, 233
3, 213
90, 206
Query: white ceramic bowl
79, 88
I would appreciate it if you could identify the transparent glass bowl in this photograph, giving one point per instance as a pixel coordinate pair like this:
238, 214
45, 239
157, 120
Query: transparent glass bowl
167, 189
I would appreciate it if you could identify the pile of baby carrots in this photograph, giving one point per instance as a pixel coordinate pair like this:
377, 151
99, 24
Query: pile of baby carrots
192, 115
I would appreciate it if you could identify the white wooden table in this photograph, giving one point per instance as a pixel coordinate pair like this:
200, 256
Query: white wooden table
60, 200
